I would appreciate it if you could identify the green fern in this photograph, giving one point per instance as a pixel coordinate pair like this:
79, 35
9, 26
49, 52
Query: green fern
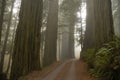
107, 61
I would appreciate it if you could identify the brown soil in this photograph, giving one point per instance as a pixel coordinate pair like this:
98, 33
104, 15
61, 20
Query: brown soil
82, 71
61, 75
39, 75
70, 70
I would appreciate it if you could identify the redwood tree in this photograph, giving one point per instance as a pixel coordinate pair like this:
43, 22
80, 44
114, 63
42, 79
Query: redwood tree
26, 56
51, 34
89, 40
99, 25
3, 4
103, 22
6, 38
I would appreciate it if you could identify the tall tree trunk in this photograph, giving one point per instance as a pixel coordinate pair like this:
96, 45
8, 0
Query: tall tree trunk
89, 40
99, 26
6, 38
51, 34
81, 31
103, 22
71, 38
11, 48
3, 4
26, 52
65, 43
116, 16
81, 35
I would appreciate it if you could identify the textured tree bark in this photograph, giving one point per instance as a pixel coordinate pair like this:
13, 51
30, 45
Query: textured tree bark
89, 40
11, 48
116, 16
81, 31
26, 56
71, 37
3, 4
51, 34
103, 22
64, 37
6, 38
81, 28
99, 25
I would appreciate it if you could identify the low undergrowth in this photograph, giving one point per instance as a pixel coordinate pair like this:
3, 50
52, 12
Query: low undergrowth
88, 56
106, 61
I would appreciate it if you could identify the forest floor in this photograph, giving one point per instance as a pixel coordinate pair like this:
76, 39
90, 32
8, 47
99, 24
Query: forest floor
69, 70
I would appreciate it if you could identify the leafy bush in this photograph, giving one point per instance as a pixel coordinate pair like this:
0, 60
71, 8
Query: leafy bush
107, 61
89, 56
102, 59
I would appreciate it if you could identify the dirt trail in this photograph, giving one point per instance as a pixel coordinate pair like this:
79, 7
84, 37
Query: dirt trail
70, 70
52, 75
81, 71
71, 75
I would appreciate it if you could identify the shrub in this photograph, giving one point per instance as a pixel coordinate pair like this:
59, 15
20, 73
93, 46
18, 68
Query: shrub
88, 56
107, 61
